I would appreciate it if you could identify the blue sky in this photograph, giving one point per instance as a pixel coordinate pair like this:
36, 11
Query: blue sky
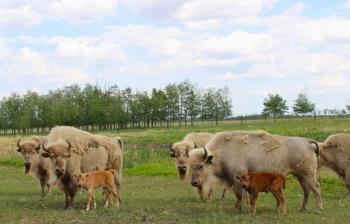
254, 47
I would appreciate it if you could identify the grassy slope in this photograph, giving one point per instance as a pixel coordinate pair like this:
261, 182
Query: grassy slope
160, 200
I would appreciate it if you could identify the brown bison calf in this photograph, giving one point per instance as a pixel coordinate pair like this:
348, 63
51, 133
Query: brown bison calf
256, 182
101, 178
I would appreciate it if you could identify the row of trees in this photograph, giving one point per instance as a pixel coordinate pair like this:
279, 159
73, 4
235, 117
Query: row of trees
114, 107
275, 105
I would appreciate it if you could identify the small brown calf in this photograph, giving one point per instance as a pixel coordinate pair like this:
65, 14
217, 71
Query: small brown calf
102, 178
256, 182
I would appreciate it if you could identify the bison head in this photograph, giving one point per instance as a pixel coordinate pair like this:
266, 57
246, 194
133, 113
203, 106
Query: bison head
245, 180
29, 150
58, 153
81, 179
180, 151
201, 168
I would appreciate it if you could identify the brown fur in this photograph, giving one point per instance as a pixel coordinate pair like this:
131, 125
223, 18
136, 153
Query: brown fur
335, 155
256, 182
95, 179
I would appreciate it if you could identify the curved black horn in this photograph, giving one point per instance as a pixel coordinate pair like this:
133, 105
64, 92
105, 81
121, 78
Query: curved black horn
195, 145
205, 153
43, 146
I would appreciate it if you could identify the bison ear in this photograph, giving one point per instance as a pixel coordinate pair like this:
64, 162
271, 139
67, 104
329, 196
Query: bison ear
209, 159
45, 155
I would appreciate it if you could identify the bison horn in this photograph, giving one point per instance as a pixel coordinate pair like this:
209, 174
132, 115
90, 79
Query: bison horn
18, 145
205, 153
187, 150
69, 146
172, 151
195, 145
171, 147
43, 146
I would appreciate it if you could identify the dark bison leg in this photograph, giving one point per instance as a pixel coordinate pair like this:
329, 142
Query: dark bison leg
223, 194
238, 192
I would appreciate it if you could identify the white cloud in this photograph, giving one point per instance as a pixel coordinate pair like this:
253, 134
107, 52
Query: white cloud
17, 13
228, 76
331, 81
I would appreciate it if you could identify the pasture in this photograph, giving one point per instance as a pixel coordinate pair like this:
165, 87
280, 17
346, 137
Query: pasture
152, 194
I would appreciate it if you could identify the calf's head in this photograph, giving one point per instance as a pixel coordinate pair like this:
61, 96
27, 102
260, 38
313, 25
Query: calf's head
180, 151
59, 154
81, 179
200, 166
29, 150
245, 180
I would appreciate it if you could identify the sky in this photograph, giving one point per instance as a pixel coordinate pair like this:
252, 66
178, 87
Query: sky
254, 47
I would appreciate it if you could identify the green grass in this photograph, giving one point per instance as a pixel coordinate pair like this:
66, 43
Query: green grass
161, 199
152, 193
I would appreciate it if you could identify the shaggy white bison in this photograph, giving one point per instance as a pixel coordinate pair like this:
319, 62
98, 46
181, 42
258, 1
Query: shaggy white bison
36, 165
179, 150
74, 151
335, 155
230, 154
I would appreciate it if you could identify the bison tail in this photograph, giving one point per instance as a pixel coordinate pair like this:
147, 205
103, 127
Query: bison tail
317, 150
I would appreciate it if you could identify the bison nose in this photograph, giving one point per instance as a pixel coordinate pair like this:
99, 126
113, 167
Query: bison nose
182, 169
194, 183
59, 172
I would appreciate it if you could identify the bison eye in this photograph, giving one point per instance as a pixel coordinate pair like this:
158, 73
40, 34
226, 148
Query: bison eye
201, 167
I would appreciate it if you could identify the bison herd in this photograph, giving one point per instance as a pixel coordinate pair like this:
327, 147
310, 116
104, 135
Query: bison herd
238, 161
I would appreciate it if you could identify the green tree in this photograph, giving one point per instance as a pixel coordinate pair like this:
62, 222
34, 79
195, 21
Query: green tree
274, 105
303, 105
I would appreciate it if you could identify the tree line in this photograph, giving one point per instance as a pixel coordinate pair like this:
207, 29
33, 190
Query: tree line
113, 107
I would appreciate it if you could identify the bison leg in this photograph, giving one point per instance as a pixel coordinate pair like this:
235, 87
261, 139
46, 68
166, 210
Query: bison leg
89, 199
94, 201
315, 187
210, 194
306, 190
280, 200
253, 198
67, 200
200, 193
118, 184
107, 199
238, 194
49, 188
42, 185
347, 179
223, 194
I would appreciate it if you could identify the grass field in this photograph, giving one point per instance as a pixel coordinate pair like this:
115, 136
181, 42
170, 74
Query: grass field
151, 192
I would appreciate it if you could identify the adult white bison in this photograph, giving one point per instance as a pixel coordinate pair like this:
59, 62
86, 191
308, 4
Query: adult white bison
36, 165
230, 154
74, 151
179, 150
335, 155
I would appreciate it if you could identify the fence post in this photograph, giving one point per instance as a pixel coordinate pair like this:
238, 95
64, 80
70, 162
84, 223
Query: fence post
241, 119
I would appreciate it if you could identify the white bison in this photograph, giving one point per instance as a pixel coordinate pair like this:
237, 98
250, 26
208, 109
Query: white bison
36, 165
230, 154
74, 151
335, 155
